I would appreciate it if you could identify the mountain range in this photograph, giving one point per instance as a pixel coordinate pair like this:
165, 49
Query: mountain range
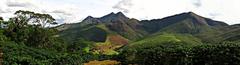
115, 30
98, 29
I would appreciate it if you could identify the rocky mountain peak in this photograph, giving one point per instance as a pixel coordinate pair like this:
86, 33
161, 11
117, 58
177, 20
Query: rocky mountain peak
197, 19
113, 17
90, 20
120, 14
89, 17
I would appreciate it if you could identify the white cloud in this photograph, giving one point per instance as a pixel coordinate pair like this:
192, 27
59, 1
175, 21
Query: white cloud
69, 11
18, 3
222, 10
3, 11
124, 5
197, 3
60, 13
157, 8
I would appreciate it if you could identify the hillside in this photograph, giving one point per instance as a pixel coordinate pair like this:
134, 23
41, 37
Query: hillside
112, 23
185, 23
231, 33
158, 39
187, 28
133, 29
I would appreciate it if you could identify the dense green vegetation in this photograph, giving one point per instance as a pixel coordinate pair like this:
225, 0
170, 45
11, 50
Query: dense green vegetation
172, 53
159, 38
29, 39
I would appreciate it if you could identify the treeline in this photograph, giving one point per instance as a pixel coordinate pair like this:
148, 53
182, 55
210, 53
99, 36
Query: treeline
226, 53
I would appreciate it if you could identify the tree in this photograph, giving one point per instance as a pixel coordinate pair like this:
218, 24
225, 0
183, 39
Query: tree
1, 18
2, 37
17, 29
80, 45
30, 28
44, 19
36, 18
1, 21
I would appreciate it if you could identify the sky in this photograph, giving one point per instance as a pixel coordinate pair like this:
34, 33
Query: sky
72, 11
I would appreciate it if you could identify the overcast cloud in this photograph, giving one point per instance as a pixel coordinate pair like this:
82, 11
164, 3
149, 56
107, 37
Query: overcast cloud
197, 3
124, 5
71, 11
18, 3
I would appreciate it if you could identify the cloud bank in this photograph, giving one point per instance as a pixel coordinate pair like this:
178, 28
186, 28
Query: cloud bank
72, 11
18, 3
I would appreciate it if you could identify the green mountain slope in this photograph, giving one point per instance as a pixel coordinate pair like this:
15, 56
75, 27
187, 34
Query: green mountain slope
185, 23
231, 34
92, 33
97, 29
161, 38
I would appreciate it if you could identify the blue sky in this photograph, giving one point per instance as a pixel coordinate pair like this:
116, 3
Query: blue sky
72, 11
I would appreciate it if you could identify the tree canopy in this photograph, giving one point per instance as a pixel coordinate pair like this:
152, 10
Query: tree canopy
30, 28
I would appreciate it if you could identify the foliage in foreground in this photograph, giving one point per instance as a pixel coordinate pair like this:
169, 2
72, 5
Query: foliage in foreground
24, 55
206, 54
27, 39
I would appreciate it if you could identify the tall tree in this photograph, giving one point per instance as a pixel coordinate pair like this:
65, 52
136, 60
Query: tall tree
1, 21
30, 28
44, 19
36, 18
